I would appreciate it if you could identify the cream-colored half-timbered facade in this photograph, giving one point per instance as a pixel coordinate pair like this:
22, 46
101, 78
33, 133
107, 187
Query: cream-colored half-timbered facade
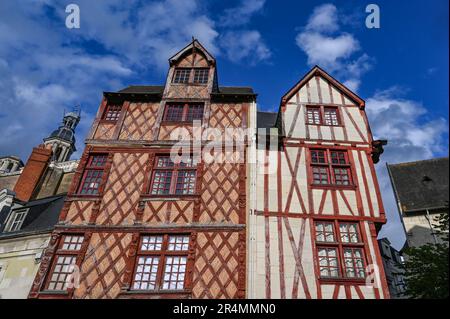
313, 226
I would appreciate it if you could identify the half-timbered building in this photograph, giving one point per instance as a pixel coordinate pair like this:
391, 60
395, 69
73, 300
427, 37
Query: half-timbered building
137, 223
317, 209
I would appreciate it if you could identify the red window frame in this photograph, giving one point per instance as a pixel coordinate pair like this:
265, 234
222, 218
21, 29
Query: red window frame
345, 264
331, 116
63, 262
330, 167
183, 112
313, 115
161, 264
112, 112
93, 175
169, 178
323, 115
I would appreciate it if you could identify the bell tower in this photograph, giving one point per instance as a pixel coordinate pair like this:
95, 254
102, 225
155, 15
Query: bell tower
62, 140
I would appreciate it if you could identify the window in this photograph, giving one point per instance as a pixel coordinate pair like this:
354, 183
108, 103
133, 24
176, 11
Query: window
201, 76
112, 112
331, 116
64, 262
161, 263
342, 251
16, 220
320, 115
313, 115
330, 168
182, 75
183, 112
93, 174
173, 178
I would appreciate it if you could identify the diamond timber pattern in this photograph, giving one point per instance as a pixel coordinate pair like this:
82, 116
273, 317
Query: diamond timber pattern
219, 194
79, 212
121, 196
139, 121
215, 272
179, 212
225, 115
103, 266
105, 131
188, 91
184, 132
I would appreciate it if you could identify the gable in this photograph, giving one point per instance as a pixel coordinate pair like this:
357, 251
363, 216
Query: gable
193, 55
319, 87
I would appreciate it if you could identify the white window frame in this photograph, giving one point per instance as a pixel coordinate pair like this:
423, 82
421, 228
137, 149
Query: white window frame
13, 222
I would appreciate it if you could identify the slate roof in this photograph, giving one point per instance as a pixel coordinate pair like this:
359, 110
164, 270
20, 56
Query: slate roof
42, 216
266, 119
159, 89
421, 185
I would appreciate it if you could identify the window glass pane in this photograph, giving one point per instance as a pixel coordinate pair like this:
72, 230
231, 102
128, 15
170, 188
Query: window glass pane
113, 112
64, 266
331, 117
174, 112
354, 263
150, 243
318, 157
178, 243
338, 157
349, 233
146, 272
195, 112
320, 175
185, 182
72, 242
181, 75
164, 161
324, 232
201, 76
91, 182
161, 182
313, 115
174, 273
328, 262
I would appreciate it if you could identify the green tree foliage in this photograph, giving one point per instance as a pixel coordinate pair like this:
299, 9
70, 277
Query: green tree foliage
426, 267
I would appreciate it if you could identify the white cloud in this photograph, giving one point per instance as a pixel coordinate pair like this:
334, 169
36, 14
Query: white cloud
325, 45
242, 45
411, 136
323, 19
241, 14
325, 50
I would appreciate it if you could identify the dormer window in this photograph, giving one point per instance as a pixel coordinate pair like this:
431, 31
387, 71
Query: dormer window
189, 75
15, 220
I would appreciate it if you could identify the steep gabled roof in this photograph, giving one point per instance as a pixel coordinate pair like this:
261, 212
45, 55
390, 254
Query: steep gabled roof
421, 185
194, 45
316, 70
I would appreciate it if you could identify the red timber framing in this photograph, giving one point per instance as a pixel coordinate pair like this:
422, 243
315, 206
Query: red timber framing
295, 199
205, 203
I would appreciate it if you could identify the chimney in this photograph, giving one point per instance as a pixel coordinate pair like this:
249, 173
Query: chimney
32, 172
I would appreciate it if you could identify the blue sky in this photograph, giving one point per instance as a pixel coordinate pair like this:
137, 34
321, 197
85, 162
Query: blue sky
401, 69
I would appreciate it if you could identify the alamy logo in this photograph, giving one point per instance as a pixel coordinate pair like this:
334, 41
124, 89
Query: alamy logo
73, 19
373, 19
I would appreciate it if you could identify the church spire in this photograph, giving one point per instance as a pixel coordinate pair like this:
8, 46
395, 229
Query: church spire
62, 140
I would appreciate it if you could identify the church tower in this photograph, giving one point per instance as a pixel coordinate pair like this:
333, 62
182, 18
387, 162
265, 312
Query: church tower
62, 140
